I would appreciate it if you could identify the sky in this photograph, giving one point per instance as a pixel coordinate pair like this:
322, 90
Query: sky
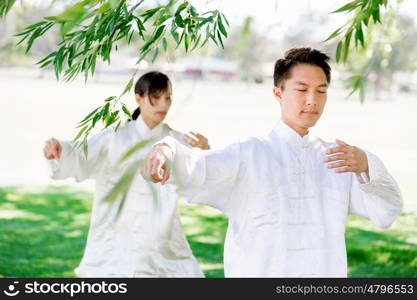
283, 13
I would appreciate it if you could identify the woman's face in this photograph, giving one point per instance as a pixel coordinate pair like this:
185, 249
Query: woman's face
154, 108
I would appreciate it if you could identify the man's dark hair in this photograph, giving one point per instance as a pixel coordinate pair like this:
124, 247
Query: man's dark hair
297, 56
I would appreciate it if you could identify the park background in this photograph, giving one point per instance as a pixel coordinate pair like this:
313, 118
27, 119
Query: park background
225, 95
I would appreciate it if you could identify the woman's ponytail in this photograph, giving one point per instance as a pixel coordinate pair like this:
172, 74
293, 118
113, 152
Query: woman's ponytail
136, 113
150, 84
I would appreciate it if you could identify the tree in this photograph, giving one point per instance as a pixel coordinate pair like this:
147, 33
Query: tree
92, 29
391, 48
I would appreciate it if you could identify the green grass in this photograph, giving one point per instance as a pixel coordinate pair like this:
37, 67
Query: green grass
43, 233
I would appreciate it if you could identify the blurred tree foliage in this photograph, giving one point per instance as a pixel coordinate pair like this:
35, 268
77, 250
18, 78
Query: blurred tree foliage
391, 49
90, 30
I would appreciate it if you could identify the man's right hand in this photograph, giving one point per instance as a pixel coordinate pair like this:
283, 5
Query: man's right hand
155, 167
52, 149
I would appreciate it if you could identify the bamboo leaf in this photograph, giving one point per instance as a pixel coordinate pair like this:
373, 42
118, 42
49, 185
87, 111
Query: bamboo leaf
133, 150
5, 7
85, 148
123, 184
346, 44
128, 87
80, 133
181, 8
375, 15
339, 50
347, 7
155, 54
225, 19
334, 34
90, 115
359, 35
165, 44
221, 27
126, 111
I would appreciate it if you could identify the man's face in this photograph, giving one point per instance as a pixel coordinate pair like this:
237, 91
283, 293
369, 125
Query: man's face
302, 97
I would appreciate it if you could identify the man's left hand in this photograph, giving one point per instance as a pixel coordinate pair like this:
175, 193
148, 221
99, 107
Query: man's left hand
346, 158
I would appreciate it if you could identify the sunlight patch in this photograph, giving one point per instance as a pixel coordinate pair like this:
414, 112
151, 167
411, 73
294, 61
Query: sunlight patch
15, 214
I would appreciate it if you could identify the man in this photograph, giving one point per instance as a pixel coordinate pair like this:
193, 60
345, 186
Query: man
287, 194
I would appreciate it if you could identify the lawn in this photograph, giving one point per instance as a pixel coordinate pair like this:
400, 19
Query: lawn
43, 233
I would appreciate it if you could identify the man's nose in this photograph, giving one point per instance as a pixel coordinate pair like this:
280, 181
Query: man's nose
311, 99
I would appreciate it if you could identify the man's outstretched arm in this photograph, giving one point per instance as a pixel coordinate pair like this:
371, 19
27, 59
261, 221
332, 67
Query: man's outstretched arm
206, 177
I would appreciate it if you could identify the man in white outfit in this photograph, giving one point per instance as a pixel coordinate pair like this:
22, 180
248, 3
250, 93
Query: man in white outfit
287, 194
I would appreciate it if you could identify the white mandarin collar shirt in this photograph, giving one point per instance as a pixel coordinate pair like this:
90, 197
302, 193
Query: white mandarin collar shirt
287, 211
145, 131
146, 239
292, 137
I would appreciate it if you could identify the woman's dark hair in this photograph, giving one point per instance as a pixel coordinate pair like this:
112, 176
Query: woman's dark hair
151, 84
296, 56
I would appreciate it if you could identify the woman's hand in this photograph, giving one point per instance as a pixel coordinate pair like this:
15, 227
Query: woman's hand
155, 167
197, 140
52, 149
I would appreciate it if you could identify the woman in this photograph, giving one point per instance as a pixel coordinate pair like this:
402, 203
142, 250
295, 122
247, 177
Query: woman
144, 238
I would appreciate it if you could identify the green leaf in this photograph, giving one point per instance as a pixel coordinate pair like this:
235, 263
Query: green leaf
375, 15
161, 20
176, 37
109, 99
5, 7
105, 111
155, 54
339, 50
96, 118
123, 184
359, 35
113, 118
179, 21
104, 8
362, 91
221, 27
46, 58
85, 148
347, 44
225, 19
126, 111
165, 44
158, 32
196, 43
128, 87
117, 126
186, 42
334, 34
134, 149
80, 133
347, 7
181, 8
220, 39
150, 13
90, 115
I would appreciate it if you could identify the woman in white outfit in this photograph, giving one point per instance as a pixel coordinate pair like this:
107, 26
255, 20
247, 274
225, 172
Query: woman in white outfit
144, 238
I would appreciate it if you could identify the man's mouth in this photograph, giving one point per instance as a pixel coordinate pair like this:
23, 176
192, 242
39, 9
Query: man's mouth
310, 112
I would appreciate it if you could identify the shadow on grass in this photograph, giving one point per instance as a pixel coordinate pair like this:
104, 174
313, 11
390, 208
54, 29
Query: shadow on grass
43, 234
388, 253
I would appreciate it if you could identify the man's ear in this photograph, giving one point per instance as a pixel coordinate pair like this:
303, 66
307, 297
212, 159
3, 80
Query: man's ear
277, 93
